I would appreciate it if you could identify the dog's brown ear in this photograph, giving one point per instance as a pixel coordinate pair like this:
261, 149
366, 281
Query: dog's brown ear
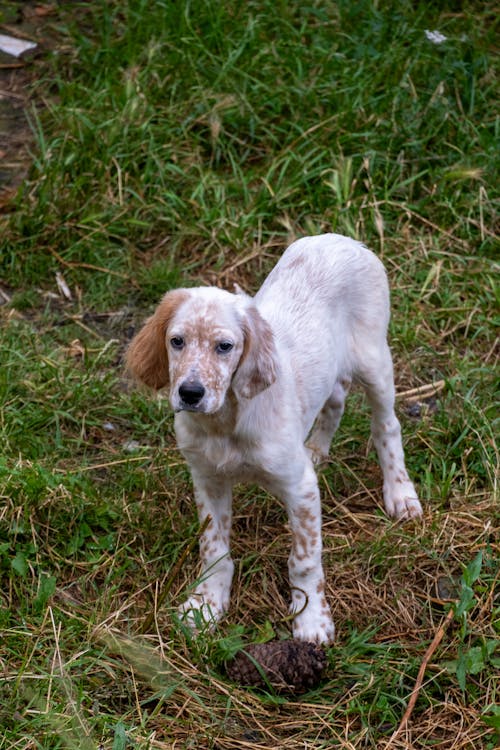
258, 365
146, 357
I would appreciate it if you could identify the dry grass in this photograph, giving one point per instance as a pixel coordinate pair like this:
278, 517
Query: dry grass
85, 659
190, 148
171, 691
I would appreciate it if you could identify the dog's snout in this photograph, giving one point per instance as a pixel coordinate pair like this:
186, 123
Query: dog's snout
191, 392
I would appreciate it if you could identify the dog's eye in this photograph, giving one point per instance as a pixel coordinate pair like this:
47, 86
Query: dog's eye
223, 347
177, 342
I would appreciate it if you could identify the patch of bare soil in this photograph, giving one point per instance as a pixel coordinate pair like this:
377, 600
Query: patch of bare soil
33, 22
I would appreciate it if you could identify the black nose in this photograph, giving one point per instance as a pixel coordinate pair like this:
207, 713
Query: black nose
191, 392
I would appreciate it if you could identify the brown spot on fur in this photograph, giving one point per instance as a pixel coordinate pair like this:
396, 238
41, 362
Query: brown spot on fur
302, 540
304, 513
295, 263
296, 556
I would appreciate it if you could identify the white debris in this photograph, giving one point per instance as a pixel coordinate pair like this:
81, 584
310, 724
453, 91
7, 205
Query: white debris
13, 46
435, 36
62, 286
131, 446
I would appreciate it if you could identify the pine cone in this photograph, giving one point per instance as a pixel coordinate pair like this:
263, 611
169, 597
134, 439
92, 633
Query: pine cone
292, 666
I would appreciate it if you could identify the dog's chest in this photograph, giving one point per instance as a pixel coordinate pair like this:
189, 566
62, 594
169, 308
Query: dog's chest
229, 456
226, 455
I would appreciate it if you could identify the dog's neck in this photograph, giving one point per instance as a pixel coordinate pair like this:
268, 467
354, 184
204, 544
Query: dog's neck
222, 422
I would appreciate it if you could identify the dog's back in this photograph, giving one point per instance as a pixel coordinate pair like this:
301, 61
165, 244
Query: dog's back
326, 299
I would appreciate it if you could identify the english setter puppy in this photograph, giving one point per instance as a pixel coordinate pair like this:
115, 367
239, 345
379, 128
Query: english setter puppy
258, 388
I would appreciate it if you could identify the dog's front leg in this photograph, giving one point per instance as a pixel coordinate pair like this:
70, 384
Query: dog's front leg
313, 621
210, 599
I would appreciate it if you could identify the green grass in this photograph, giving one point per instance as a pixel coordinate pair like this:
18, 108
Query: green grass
187, 143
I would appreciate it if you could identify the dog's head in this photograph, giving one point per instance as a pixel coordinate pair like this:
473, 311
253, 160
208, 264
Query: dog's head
200, 343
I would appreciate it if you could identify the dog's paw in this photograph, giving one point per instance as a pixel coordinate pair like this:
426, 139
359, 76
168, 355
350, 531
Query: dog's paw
201, 612
313, 622
401, 501
314, 631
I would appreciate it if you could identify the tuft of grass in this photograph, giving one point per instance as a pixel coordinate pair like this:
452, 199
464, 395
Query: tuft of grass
187, 143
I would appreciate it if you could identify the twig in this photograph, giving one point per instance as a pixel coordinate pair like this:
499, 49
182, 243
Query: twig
11, 94
421, 218
90, 266
423, 391
16, 32
105, 465
242, 261
174, 573
421, 672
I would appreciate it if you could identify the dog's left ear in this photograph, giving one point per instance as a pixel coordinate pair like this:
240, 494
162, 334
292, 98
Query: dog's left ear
258, 365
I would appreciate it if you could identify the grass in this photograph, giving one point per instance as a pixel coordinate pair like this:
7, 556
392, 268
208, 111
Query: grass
186, 143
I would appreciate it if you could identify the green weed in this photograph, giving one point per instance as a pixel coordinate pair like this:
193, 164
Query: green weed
188, 143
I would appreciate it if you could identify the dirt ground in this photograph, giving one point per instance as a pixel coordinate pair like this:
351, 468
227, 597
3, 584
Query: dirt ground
34, 22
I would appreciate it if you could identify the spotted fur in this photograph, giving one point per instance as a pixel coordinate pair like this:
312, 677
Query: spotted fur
258, 389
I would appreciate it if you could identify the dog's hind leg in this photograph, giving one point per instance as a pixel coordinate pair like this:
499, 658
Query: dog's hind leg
327, 422
376, 376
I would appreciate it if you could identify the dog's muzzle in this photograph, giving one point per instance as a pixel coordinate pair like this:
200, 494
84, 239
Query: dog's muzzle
191, 393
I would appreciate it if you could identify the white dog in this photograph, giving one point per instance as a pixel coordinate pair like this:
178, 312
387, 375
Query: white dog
251, 380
